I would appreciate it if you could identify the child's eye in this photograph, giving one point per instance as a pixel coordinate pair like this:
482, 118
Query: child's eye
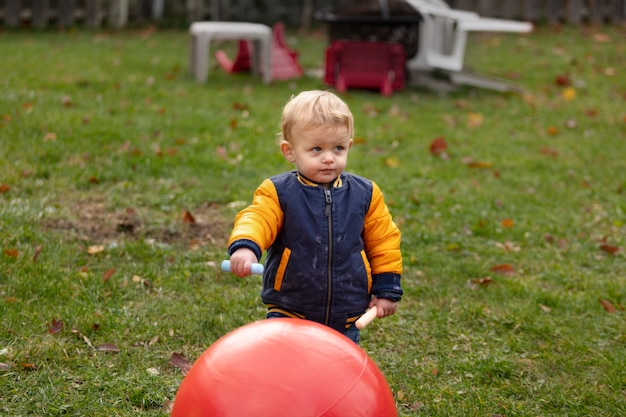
316, 149
339, 148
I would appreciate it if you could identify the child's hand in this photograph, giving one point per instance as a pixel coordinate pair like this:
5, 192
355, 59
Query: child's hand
241, 261
384, 306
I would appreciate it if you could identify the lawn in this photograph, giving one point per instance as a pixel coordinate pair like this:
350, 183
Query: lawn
120, 178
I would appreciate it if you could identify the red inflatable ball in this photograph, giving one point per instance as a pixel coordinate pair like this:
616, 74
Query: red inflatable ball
284, 367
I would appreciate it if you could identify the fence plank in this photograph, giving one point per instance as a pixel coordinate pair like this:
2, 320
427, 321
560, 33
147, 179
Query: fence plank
486, 8
93, 14
510, 9
40, 13
463, 4
195, 10
65, 16
553, 10
12, 10
118, 13
617, 13
531, 10
574, 11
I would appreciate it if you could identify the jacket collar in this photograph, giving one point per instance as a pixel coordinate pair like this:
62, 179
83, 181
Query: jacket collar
336, 183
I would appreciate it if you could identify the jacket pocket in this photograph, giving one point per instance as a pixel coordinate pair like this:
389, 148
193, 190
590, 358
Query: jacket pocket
280, 273
368, 269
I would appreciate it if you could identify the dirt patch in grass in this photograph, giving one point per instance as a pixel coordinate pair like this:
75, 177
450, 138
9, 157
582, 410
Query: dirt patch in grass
92, 220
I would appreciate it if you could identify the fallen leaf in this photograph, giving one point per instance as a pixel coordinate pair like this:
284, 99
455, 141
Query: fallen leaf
220, 151
108, 347
601, 38
552, 131
474, 120
92, 250
503, 269
107, 274
453, 247
610, 249
188, 217
55, 326
508, 246
178, 360
549, 151
27, 366
370, 110
82, 336
608, 306
233, 124
67, 101
563, 80
480, 164
507, 223
544, 308
482, 281
569, 93
50, 137
438, 147
4, 188
167, 407
392, 162
38, 250
12, 253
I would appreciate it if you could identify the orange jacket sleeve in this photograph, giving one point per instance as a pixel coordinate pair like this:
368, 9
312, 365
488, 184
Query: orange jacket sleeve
260, 222
382, 237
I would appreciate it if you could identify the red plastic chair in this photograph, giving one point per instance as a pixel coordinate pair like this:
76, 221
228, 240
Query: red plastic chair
285, 63
363, 64
242, 61
280, 42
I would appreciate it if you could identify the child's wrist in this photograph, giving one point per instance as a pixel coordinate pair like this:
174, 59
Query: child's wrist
389, 296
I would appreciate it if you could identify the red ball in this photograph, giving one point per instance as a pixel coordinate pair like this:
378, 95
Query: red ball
284, 367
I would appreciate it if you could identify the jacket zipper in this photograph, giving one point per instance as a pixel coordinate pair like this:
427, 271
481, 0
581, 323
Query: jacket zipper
328, 212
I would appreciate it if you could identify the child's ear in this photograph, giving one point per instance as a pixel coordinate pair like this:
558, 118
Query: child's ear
287, 150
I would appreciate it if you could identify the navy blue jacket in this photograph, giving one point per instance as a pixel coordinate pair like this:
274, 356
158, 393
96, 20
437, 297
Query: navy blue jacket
328, 250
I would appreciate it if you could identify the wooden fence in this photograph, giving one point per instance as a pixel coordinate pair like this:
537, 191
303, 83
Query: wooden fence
120, 13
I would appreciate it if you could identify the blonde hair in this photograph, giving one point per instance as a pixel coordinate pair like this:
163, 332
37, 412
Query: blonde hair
313, 109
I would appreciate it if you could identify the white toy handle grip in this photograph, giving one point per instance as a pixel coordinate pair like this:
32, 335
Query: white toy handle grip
254, 268
366, 318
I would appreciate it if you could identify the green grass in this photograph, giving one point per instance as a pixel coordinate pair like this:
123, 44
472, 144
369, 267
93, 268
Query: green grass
106, 140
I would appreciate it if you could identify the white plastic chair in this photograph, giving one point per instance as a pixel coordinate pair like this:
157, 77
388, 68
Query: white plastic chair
444, 31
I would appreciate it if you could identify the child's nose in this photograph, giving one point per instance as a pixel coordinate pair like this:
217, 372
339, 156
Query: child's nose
327, 157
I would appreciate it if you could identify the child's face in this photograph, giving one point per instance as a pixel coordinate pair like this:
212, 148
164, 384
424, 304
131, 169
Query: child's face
320, 154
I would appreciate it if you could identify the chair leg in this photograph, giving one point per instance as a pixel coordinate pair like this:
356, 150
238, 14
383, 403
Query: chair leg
341, 83
387, 88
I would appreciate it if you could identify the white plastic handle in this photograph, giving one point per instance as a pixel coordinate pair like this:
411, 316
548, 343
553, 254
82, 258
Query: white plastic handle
366, 318
254, 268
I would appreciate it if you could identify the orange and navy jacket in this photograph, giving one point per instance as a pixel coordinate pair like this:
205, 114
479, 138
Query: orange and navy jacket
328, 250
